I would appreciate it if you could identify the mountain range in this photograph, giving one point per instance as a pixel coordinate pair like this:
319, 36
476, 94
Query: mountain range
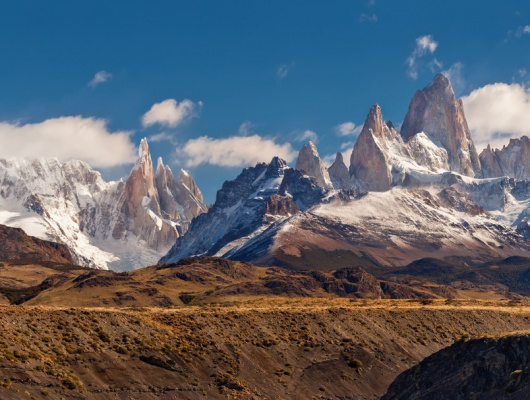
421, 192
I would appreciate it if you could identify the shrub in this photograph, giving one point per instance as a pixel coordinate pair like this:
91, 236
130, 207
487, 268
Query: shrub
186, 298
355, 363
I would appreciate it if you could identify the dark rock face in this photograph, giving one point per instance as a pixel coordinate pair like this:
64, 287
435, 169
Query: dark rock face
512, 160
16, 245
280, 205
435, 111
485, 369
302, 188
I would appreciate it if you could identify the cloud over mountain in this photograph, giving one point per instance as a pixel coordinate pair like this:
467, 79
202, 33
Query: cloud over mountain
498, 112
66, 138
235, 151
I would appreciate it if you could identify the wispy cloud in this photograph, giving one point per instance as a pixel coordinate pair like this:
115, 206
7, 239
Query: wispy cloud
424, 45
347, 146
522, 30
364, 17
162, 137
455, 76
498, 112
235, 151
283, 70
246, 128
348, 129
306, 136
435, 65
67, 138
328, 159
99, 78
170, 113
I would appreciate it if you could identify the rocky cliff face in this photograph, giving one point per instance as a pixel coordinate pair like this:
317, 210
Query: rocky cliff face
512, 160
246, 207
381, 159
121, 225
16, 245
369, 160
436, 112
140, 210
485, 369
309, 163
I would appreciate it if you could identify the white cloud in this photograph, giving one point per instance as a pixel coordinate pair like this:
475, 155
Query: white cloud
435, 65
347, 145
170, 113
246, 128
498, 112
454, 74
66, 138
162, 137
424, 45
522, 30
348, 129
368, 18
100, 77
236, 151
306, 136
283, 70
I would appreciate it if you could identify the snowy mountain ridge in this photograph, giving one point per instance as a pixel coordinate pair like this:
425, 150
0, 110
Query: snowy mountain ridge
116, 225
406, 195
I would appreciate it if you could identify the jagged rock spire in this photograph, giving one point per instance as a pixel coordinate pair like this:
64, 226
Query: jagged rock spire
369, 161
310, 164
435, 111
339, 174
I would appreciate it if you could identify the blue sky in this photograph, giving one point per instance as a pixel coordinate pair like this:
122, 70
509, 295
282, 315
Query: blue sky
264, 75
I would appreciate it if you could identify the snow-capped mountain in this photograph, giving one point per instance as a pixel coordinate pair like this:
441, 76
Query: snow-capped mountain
118, 225
405, 195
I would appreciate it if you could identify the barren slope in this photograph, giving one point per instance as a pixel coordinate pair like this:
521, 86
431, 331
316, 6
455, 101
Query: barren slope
296, 349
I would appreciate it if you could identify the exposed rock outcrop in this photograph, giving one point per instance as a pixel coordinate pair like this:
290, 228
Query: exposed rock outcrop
485, 369
436, 112
16, 245
259, 198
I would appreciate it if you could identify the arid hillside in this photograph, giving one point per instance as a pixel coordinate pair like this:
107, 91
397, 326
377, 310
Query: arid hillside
281, 349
